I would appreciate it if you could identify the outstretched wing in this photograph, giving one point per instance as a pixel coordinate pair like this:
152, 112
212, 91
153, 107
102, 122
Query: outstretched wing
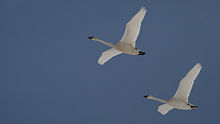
133, 27
186, 83
164, 108
108, 54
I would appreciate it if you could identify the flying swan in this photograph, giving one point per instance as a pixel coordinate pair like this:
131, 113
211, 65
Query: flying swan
180, 99
127, 42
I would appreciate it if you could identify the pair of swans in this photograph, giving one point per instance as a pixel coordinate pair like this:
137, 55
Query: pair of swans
127, 45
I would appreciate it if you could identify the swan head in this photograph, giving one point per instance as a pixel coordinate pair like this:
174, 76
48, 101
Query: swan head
148, 96
91, 37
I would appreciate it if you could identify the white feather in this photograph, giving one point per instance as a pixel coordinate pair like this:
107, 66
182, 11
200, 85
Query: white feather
108, 54
127, 43
180, 99
164, 108
133, 27
186, 83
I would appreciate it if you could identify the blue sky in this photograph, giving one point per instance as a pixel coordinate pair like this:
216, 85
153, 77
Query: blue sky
49, 70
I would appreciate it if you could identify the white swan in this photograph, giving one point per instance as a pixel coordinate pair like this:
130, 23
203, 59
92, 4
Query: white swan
180, 99
127, 42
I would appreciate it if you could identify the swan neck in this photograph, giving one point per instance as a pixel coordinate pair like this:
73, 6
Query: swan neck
157, 99
104, 42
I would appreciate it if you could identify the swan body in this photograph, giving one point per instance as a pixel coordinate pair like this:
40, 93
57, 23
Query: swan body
127, 42
180, 98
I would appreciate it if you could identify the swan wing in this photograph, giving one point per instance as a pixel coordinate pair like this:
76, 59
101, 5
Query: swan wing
108, 54
133, 27
186, 83
164, 108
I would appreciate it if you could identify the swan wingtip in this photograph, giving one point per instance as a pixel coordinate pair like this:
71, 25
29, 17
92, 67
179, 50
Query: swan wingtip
199, 65
100, 63
143, 8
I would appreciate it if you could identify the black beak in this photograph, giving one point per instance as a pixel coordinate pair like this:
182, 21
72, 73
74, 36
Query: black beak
90, 37
146, 96
141, 53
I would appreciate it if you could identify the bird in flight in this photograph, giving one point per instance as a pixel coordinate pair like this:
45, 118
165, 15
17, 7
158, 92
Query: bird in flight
127, 42
180, 99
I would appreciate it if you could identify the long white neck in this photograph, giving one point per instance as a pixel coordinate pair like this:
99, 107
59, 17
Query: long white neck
104, 42
157, 99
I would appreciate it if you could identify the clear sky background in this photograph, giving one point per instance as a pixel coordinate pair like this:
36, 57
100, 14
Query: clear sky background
49, 70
